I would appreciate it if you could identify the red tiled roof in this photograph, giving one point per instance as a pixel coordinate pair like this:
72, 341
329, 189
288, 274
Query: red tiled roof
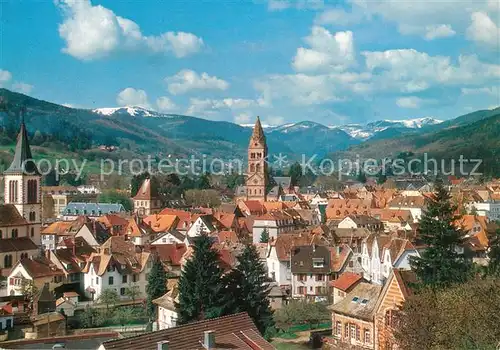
231, 332
346, 281
228, 236
170, 253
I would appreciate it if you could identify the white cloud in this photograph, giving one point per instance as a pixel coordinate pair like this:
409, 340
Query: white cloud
274, 120
439, 31
408, 70
165, 104
279, 5
493, 91
483, 30
133, 97
187, 80
5, 77
22, 87
339, 17
92, 32
302, 89
328, 51
409, 102
212, 106
420, 17
18, 86
243, 118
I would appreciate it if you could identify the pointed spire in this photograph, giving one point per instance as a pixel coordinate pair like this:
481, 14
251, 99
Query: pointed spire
23, 161
258, 132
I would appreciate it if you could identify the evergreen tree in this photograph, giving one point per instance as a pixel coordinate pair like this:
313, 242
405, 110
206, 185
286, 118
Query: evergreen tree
136, 182
361, 176
295, 173
494, 254
440, 265
248, 284
264, 236
202, 292
157, 285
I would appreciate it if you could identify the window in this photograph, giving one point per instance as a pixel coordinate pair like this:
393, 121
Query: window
7, 261
346, 330
135, 278
364, 301
355, 299
110, 280
97, 280
32, 216
367, 336
320, 278
13, 191
358, 335
122, 291
353, 331
32, 232
14, 233
318, 262
301, 277
124, 279
338, 328
310, 288
32, 191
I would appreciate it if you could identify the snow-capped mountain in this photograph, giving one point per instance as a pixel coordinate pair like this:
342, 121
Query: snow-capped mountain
357, 131
369, 130
133, 111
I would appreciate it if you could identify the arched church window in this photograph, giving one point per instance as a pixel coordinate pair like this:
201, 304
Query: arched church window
32, 216
13, 191
14, 233
32, 191
32, 232
258, 168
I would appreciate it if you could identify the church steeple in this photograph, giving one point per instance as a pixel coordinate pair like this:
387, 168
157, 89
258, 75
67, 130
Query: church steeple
258, 132
256, 181
22, 162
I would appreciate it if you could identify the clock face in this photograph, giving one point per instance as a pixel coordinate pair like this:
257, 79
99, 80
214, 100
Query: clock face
256, 181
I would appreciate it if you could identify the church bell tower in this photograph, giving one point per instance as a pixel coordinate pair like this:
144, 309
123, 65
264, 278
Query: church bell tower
256, 180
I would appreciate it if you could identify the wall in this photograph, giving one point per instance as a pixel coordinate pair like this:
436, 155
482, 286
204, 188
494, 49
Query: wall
363, 325
166, 318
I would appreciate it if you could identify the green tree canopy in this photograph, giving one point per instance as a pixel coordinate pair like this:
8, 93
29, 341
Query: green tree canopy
112, 196
202, 292
440, 264
248, 284
157, 285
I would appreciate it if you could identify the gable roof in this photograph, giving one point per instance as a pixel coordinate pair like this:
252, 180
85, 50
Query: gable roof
9, 216
346, 281
94, 209
235, 331
17, 244
145, 192
161, 222
408, 202
355, 308
40, 267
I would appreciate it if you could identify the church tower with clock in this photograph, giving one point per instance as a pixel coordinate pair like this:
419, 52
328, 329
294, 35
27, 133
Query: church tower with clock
256, 181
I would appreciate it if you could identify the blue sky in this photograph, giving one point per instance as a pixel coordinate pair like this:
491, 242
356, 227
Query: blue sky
331, 62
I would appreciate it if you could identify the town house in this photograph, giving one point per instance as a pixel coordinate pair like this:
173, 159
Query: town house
116, 265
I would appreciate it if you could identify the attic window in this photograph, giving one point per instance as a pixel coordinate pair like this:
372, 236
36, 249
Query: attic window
301, 263
355, 299
318, 262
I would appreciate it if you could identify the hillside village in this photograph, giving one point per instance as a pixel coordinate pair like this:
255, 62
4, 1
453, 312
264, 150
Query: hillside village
349, 249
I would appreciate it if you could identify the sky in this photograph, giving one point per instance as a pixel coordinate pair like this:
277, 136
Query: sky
333, 62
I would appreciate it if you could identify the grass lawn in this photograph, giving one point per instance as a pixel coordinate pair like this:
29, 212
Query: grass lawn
289, 346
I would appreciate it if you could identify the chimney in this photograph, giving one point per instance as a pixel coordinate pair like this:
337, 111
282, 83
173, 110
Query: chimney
209, 340
163, 345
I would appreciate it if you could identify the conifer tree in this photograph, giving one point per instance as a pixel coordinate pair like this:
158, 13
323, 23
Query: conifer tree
264, 236
249, 289
201, 286
494, 254
440, 265
157, 285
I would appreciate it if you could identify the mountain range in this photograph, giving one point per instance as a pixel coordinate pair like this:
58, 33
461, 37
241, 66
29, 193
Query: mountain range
137, 131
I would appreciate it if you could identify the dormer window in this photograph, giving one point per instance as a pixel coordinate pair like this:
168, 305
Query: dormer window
318, 262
